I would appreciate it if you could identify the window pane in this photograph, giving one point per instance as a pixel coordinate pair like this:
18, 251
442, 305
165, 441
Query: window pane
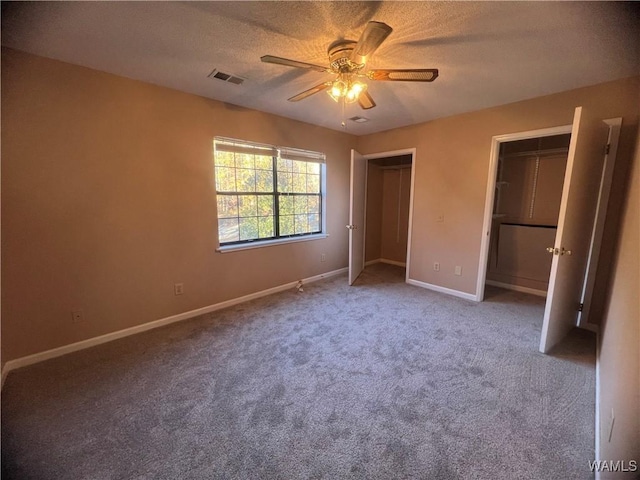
284, 165
313, 183
228, 230
299, 167
225, 159
225, 179
265, 205
300, 204
246, 180
286, 225
299, 183
314, 223
285, 182
302, 224
313, 168
248, 205
264, 163
265, 227
264, 180
286, 205
314, 204
248, 228
245, 160
227, 206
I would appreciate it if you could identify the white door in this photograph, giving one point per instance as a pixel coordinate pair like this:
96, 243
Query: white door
614, 125
356, 215
575, 224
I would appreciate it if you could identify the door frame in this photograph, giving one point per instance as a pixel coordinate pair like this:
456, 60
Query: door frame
393, 153
490, 193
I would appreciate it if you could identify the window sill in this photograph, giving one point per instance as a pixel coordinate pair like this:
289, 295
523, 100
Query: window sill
270, 243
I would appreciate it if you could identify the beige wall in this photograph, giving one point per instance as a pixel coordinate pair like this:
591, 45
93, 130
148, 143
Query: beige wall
619, 359
451, 170
108, 200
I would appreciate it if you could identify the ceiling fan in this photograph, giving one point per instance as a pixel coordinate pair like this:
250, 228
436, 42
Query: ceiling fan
347, 61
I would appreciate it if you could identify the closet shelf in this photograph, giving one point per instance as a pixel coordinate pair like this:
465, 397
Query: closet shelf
536, 153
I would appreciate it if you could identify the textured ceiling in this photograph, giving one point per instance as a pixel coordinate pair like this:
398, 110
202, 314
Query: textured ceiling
488, 53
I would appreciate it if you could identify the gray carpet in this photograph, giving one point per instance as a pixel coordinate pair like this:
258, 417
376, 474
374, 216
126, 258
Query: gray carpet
378, 381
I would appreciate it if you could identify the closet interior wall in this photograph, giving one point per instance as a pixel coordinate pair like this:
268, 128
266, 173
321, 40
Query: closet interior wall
387, 210
526, 208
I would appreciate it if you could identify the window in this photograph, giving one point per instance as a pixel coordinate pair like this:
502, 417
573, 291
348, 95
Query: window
267, 193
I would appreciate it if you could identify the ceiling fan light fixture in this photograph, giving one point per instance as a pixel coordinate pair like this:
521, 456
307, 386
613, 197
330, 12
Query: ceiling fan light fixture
354, 91
338, 89
346, 89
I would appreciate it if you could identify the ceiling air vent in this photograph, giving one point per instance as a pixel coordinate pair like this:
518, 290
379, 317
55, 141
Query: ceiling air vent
226, 77
358, 119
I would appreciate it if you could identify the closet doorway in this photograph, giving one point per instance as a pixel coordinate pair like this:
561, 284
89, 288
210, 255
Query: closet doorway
387, 209
372, 226
526, 206
583, 207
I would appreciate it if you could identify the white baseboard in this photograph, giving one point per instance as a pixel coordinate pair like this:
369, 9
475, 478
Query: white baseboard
438, 288
91, 342
393, 262
384, 260
517, 288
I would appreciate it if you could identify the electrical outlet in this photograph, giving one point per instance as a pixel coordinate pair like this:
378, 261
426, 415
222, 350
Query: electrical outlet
178, 289
436, 266
323, 257
77, 316
458, 270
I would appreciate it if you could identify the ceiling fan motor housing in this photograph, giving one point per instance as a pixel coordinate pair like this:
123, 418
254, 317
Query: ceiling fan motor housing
339, 56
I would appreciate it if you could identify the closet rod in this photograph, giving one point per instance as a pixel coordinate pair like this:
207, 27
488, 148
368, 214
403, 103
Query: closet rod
537, 153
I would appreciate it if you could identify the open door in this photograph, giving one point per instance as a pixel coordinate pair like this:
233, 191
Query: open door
356, 215
575, 224
600, 216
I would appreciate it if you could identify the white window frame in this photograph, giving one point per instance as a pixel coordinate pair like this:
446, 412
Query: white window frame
278, 152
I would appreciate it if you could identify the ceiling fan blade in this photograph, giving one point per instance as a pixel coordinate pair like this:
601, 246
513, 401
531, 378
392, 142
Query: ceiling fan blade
365, 101
311, 91
374, 34
293, 63
404, 75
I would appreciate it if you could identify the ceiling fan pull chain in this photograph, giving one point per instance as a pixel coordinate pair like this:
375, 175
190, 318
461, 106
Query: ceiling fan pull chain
344, 122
